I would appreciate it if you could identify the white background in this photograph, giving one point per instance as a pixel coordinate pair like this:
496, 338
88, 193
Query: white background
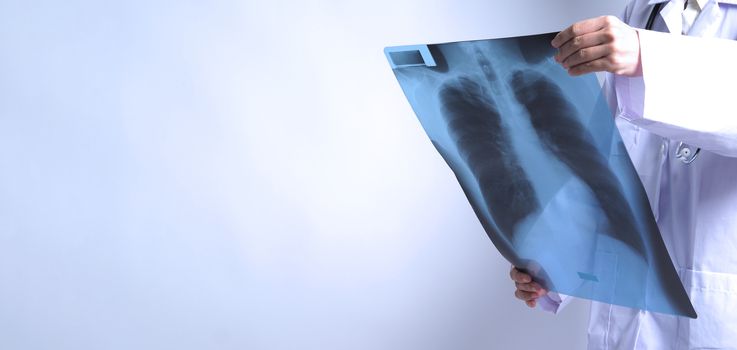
245, 175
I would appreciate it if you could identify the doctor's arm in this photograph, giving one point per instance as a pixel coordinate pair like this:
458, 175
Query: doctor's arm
674, 86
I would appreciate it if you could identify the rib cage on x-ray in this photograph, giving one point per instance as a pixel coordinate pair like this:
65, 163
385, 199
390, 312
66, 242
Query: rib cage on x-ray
551, 115
553, 119
528, 143
475, 125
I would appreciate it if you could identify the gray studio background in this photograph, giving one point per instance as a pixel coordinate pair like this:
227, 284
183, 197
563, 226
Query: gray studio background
245, 175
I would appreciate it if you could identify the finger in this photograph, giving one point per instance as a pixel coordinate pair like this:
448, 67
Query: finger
520, 277
588, 54
599, 65
531, 288
579, 28
531, 303
582, 42
522, 295
528, 287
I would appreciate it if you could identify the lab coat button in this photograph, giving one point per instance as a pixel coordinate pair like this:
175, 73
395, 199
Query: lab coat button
685, 153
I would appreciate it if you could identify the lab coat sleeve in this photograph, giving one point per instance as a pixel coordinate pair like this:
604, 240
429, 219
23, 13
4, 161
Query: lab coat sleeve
553, 302
686, 91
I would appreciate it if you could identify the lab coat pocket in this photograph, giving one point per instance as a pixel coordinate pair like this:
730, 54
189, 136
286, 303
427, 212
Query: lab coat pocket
714, 296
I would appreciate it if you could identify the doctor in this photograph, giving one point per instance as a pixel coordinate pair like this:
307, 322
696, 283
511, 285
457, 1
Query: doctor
674, 90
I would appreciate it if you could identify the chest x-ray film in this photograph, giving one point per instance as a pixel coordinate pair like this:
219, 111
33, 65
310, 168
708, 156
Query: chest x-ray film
544, 168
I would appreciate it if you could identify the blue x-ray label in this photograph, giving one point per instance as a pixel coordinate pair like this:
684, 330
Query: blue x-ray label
540, 160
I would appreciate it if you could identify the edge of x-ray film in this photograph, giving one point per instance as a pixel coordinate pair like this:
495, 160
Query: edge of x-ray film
542, 164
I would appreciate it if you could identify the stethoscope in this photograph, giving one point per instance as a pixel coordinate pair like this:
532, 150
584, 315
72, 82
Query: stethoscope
683, 151
653, 14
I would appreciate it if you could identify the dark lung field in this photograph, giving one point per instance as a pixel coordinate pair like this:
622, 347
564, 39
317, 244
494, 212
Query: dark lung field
538, 156
475, 125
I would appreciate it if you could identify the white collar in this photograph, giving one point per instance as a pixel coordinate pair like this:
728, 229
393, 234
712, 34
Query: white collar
701, 3
707, 22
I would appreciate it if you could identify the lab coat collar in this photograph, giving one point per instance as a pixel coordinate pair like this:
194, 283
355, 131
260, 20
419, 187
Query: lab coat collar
702, 3
671, 15
706, 24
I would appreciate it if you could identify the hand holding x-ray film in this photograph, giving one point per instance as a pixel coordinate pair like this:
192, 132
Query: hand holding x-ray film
539, 158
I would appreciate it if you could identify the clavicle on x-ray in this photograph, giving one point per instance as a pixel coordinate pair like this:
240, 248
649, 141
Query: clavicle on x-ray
540, 160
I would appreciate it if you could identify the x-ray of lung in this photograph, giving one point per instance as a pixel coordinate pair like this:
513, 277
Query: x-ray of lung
542, 164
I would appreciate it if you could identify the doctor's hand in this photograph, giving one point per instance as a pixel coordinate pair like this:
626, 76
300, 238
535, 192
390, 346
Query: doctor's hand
599, 44
527, 290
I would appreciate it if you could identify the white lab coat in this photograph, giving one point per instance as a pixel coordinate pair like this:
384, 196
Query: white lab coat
688, 93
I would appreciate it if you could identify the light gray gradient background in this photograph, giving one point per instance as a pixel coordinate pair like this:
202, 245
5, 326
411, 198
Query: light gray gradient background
245, 175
